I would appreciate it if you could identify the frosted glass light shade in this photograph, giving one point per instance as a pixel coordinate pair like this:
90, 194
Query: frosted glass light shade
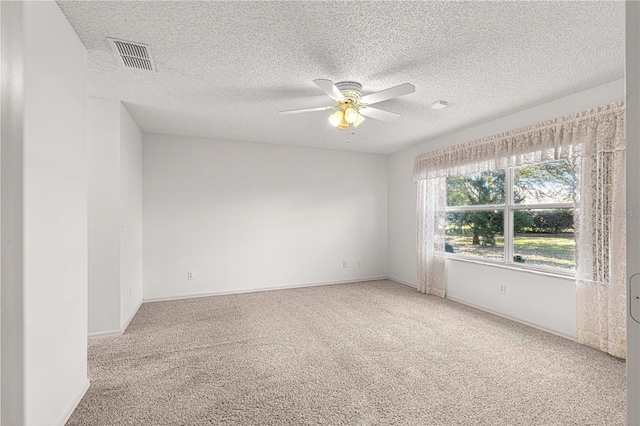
335, 118
351, 114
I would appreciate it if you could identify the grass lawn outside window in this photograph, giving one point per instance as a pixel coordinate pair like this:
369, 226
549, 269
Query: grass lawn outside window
550, 250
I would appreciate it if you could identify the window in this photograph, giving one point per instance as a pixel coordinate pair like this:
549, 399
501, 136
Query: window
519, 216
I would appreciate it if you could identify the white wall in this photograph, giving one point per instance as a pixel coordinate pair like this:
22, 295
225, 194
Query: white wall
545, 301
115, 216
539, 300
246, 216
55, 216
103, 139
130, 216
11, 218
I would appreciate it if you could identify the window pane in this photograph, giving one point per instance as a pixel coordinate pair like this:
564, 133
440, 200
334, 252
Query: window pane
476, 233
544, 238
553, 182
486, 188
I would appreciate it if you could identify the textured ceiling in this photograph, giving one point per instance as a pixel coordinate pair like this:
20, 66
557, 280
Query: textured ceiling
225, 68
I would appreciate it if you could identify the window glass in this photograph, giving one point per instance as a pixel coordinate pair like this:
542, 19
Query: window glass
544, 238
487, 188
553, 182
476, 233
542, 235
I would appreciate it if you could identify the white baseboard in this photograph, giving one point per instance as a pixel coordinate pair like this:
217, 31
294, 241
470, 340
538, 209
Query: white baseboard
105, 333
402, 282
254, 290
64, 417
557, 333
133, 314
118, 332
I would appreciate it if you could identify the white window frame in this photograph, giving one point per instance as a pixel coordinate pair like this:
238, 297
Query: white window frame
508, 207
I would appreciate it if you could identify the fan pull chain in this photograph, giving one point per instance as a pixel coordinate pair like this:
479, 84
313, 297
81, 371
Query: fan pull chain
353, 132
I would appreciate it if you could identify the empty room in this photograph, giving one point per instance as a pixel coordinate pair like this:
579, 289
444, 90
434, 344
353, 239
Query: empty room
320, 212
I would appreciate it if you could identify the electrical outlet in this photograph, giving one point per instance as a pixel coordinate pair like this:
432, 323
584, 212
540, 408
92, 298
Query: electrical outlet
344, 263
190, 276
503, 289
359, 263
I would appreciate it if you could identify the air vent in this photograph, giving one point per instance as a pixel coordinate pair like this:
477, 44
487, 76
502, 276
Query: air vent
132, 55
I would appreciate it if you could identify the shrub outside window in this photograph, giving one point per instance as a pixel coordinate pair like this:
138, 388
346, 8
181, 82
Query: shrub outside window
522, 216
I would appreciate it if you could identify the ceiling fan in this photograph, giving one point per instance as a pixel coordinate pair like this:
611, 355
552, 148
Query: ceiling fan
351, 106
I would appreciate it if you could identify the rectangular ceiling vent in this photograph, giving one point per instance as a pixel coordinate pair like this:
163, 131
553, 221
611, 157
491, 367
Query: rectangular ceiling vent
132, 55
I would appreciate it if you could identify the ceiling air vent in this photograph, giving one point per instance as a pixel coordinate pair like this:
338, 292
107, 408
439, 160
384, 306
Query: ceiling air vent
132, 55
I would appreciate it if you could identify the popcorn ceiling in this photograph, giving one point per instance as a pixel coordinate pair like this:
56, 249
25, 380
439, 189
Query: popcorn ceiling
226, 68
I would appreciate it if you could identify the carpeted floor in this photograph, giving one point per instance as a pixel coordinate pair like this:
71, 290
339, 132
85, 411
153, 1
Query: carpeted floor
371, 353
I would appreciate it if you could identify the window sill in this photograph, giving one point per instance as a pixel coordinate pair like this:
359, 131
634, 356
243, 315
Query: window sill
570, 275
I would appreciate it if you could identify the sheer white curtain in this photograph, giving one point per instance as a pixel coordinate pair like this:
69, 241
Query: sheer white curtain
600, 239
431, 220
596, 139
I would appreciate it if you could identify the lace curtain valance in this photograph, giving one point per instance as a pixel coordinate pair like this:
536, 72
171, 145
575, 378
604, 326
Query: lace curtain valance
573, 136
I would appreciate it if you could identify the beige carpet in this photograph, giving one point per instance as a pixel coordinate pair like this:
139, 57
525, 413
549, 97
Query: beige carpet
371, 353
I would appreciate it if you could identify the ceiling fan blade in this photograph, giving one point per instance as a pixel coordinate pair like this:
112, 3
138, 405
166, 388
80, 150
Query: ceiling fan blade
297, 111
379, 114
393, 92
330, 89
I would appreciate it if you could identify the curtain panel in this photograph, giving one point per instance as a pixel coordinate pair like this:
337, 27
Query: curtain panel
601, 256
595, 139
432, 198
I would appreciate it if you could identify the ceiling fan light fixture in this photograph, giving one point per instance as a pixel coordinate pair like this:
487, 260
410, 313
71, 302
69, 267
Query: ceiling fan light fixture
349, 102
336, 118
351, 115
